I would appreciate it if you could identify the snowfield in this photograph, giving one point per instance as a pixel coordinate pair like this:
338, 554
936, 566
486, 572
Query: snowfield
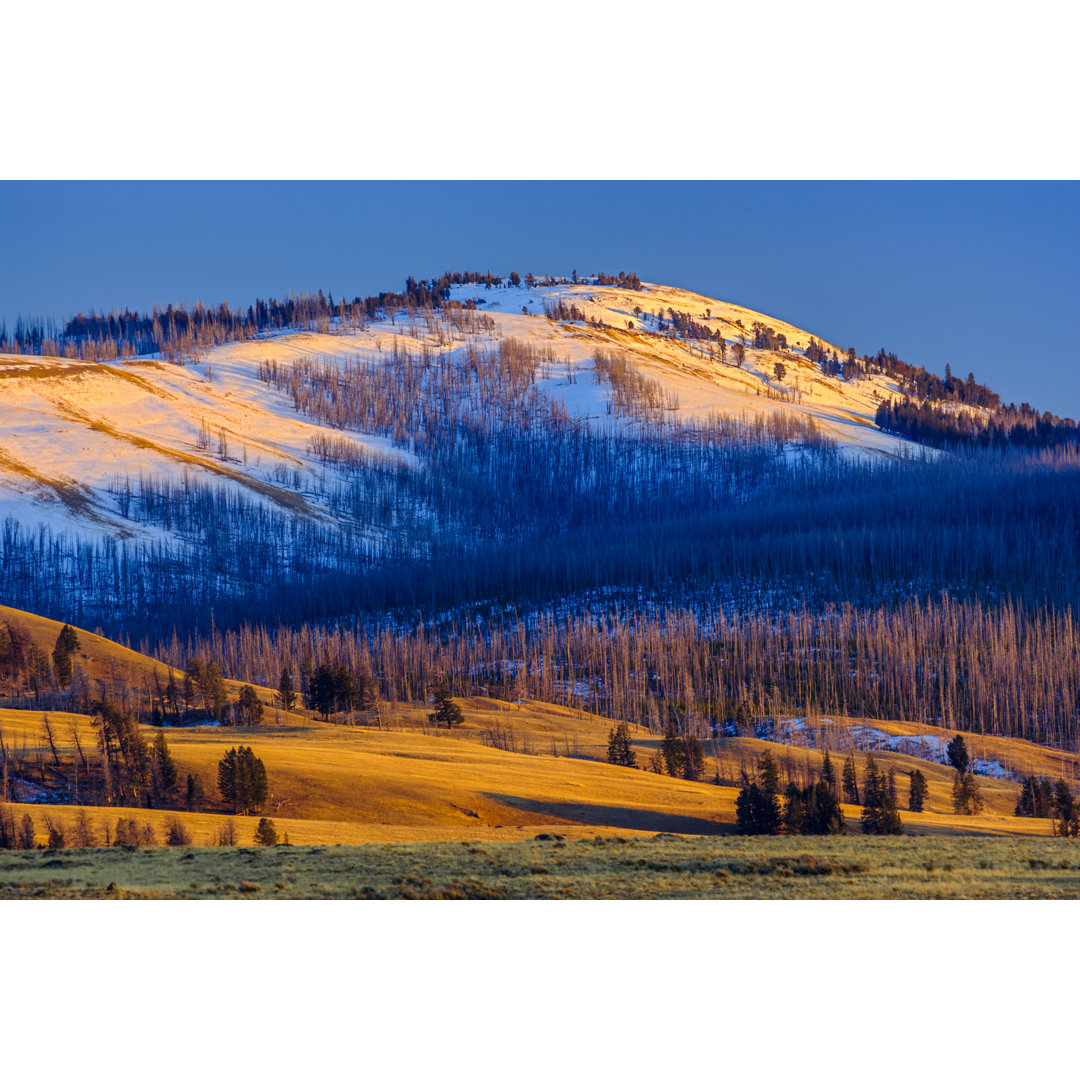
74, 433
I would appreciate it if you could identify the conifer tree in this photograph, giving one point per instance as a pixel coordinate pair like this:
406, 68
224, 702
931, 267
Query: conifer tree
620, 751
850, 781
674, 752
757, 808
957, 753
917, 791
1065, 811
242, 780
164, 768
196, 793
286, 693
879, 813
828, 773
249, 709
266, 833
447, 712
67, 643
769, 773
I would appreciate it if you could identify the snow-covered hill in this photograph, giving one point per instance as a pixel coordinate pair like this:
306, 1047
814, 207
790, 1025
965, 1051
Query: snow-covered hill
74, 435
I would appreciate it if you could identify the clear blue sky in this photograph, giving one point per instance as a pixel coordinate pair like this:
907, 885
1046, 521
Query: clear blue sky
983, 276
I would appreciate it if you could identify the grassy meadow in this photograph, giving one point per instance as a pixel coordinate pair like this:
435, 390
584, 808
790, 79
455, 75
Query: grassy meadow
552, 866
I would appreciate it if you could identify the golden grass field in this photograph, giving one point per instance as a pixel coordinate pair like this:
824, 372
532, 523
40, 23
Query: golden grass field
335, 784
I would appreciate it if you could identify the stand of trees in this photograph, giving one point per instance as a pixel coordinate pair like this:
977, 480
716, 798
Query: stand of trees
812, 810
181, 333
935, 425
242, 780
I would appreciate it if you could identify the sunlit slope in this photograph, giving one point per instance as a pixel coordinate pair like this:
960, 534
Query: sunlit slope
75, 434
347, 784
106, 664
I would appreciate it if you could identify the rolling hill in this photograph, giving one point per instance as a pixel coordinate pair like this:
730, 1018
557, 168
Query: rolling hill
77, 435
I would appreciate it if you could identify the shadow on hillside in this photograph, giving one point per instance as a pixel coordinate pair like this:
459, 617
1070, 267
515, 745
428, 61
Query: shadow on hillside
619, 817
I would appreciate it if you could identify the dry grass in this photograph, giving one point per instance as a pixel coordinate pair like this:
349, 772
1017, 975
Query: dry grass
337, 784
549, 866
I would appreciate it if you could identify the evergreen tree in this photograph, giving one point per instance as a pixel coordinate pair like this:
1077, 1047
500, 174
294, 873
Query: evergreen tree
879, 813
794, 810
1065, 811
196, 793
161, 761
67, 643
957, 754
242, 780
917, 791
757, 809
769, 774
823, 813
265, 833
828, 773
967, 798
447, 712
619, 751
850, 782
286, 693
210, 683
674, 753
693, 758
249, 709
322, 691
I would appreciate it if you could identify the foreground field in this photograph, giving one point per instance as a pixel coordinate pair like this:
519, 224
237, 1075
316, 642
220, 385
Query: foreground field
546, 866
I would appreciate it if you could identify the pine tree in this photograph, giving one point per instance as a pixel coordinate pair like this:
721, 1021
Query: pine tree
249, 709
322, 693
879, 813
242, 780
196, 793
620, 751
265, 833
286, 693
674, 752
794, 810
967, 798
917, 791
447, 712
757, 809
67, 643
828, 773
164, 768
957, 754
850, 782
1065, 811
769, 773
693, 758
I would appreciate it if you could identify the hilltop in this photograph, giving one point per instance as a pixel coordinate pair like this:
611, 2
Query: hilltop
78, 434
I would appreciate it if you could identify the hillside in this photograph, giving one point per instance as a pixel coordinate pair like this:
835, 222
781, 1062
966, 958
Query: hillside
78, 435
511, 770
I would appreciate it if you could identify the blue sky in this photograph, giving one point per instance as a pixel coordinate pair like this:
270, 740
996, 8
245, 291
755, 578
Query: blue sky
983, 276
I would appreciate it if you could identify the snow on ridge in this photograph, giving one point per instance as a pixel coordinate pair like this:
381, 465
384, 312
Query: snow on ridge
70, 431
